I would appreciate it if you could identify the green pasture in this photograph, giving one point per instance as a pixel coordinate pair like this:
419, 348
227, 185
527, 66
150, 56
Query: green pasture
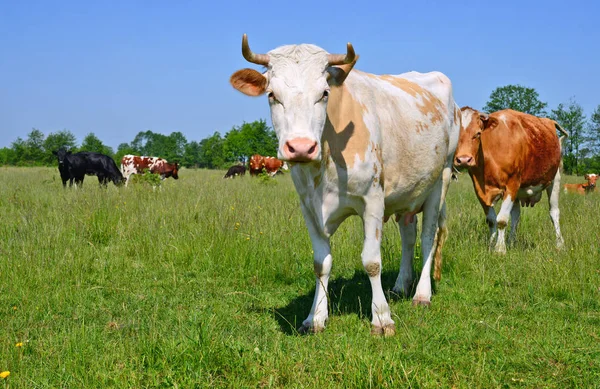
203, 281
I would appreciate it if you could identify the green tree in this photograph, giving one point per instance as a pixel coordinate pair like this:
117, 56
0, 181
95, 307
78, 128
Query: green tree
92, 143
250, 138
122, 150
191, 156
516, 97
572, 119
54, 141
211, 152
33, 153
592, 136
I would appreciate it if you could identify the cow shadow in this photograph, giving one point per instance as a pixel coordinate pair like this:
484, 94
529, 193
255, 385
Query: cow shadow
345, 296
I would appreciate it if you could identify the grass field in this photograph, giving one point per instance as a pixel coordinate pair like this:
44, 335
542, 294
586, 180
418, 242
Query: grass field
202, 283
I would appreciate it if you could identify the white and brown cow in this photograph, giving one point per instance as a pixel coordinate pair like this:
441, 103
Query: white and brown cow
511, 156
360, 144
133, 164
583, 188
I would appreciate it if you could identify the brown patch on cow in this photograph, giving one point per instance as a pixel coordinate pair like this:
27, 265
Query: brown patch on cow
373, 269
345, 131
377, 233
429, 106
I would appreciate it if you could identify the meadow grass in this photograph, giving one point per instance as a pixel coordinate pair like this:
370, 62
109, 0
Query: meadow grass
203, 281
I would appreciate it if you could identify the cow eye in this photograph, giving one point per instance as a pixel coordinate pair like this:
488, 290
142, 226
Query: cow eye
325, 95
272, 98
477, 135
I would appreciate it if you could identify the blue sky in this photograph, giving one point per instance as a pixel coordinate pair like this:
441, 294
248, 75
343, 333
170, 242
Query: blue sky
119, 67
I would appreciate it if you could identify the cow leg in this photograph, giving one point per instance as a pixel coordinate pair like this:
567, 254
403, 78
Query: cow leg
515, 216
429, 238
441, 239
382, 323
490, 219
406, 276
553, 191
322, 260
502, 221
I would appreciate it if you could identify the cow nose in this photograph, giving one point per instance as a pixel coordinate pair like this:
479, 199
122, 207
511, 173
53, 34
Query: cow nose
301, 149
463, 160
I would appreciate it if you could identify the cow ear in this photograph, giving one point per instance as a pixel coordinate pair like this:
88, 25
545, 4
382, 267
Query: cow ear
249, 82
586, 177
488, 122
337, 74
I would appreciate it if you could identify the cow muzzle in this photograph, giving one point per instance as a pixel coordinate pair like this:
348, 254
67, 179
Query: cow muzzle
464, 161
301, 150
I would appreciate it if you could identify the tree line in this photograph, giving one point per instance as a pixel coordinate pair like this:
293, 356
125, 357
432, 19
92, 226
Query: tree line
581, 150
213, 152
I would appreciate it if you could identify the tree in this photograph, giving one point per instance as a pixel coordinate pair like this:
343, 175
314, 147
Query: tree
211, 152
592, 136
516, 97
122, 150
54, 141
191, 156
572, 119
34, 148
92, 143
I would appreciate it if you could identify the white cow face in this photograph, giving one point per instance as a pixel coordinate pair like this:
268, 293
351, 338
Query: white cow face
297, 83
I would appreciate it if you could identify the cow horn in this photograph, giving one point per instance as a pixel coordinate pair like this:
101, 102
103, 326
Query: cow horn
259, 59
340, 59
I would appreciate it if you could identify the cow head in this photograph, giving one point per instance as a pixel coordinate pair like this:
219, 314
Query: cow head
297, 83
256, 162
469, 141
591, 179
61, 154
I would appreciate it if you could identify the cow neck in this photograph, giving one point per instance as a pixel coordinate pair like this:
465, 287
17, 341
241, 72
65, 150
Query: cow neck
477, 172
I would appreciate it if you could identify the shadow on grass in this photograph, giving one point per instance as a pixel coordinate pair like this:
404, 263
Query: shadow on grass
346, 296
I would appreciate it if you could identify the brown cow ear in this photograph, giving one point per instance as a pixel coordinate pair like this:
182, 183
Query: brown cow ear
249, 82
489, 123
337, 74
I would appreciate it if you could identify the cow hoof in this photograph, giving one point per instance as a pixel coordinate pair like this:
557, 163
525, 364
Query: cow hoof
386, 330
421, 302
308, 329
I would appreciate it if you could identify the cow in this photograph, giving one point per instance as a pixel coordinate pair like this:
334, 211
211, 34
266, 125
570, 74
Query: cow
74, 167
133, 164
584, 188
360, 144
271, 165
511, 156
256, 164
235, 170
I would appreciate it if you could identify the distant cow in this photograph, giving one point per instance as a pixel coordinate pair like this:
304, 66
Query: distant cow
133, 164
511, 156
583, 188
271, 165
236, 170
74, 167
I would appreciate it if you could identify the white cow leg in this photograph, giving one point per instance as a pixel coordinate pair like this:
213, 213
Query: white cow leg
382, 323
553, 192
406, 276
429, 237
515, 217
502, 221
322, 261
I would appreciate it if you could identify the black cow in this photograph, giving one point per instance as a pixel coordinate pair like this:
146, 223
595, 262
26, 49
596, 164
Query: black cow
236, 170
74, 167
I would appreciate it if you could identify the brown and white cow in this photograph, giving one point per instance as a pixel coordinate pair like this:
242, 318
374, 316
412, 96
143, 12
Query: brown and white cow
511, 156
271, 165
133, 164
360, 144
584, 188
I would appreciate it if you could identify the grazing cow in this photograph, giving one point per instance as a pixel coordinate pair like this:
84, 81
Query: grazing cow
133, 164
583, 188
511, 156
74, 167
360, 144
271, 165
236, 170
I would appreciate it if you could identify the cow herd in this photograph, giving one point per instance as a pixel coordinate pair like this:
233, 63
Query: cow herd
378, 146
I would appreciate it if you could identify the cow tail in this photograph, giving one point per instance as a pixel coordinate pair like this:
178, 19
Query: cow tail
565, 133
442, 234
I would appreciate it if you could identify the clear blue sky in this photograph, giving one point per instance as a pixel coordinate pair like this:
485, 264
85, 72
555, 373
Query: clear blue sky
119, 67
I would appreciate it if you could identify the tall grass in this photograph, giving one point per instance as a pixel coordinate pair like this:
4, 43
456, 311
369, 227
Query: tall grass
203, 281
